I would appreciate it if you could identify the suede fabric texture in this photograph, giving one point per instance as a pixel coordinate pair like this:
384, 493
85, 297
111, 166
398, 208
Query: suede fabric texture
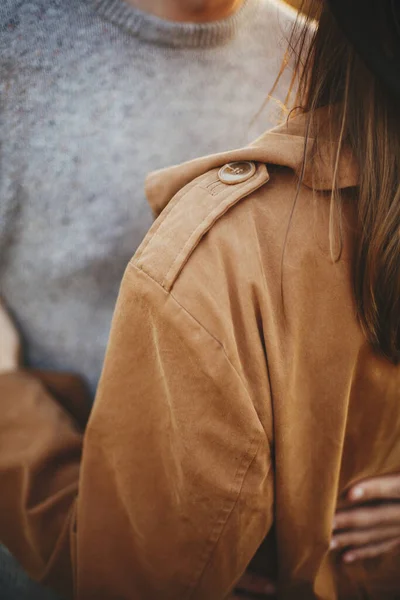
239, 398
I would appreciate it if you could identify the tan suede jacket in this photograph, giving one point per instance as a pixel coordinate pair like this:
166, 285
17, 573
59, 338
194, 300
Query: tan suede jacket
239, 399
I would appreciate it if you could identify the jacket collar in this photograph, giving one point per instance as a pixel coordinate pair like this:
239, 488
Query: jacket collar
284, 146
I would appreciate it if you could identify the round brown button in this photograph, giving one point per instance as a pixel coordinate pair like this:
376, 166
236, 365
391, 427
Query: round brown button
236, 172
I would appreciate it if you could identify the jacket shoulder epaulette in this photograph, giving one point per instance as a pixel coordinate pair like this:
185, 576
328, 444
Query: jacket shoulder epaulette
186, 219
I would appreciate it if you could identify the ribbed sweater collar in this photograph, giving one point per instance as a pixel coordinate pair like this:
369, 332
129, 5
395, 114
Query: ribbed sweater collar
169, 33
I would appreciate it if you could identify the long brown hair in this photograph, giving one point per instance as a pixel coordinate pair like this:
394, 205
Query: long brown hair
364, 116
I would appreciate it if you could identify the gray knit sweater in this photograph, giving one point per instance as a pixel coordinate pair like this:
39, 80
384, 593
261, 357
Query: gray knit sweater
95, 94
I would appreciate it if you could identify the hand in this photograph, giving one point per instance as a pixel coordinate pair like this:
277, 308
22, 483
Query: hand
369, 524
254, 587
10, 343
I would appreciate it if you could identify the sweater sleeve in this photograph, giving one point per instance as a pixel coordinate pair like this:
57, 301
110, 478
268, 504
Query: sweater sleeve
175, 488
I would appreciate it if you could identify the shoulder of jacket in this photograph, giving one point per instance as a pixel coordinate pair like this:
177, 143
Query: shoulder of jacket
190, 214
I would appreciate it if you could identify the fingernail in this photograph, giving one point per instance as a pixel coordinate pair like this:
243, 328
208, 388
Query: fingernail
349, 558
357, 493
333, 544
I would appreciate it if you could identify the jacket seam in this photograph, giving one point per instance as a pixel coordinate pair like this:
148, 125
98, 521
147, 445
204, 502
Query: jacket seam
222, 522
227, 202
220, 344
154, 233
187, 244
228, 507
216, 340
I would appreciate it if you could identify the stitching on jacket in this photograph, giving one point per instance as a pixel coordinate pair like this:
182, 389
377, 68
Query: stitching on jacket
209, 219
178, 197
219, 210
158, 223
216, 190
167, 211
209, 216
213, 185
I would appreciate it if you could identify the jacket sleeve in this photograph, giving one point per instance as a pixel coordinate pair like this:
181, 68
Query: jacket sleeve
175, 489
40, 454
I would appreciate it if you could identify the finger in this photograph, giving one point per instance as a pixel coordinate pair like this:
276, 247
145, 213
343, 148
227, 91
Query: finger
377, 488
363, 537
370, 551
367, 517
10, 342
